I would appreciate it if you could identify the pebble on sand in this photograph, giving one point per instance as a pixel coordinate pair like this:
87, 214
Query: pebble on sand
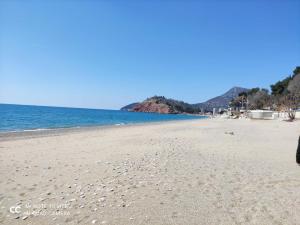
24, 217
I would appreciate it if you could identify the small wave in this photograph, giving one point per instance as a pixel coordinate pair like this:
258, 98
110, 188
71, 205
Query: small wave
26, 130
38, 129
10, 131
119, 124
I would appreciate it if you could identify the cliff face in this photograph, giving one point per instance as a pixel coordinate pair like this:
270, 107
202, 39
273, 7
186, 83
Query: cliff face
160, 104
152, 107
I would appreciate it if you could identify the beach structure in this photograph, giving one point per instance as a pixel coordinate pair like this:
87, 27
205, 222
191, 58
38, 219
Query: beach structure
261, 114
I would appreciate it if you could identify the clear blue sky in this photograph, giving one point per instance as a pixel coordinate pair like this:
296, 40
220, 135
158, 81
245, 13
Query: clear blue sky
106, 54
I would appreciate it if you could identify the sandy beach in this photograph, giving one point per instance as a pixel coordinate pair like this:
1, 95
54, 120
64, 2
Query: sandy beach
186, 172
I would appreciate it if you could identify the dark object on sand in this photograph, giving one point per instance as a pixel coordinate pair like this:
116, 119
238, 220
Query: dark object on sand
298, 152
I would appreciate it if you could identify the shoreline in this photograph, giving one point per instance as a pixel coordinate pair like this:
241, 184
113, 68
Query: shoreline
45, 132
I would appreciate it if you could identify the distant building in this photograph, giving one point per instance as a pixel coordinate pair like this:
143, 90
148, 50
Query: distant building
214, 111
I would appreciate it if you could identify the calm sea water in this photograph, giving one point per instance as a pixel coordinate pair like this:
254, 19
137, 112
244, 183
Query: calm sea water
25, 117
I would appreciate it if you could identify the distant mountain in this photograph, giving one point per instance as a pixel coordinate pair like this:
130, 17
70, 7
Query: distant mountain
161, 104
129, 107
221, 101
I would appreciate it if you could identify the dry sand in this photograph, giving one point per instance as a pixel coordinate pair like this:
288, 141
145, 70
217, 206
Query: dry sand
187, 172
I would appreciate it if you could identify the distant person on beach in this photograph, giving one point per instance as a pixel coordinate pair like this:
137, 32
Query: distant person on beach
298, 152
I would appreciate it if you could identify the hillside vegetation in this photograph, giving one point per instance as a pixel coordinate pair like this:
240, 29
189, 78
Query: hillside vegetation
161, 104
284, 96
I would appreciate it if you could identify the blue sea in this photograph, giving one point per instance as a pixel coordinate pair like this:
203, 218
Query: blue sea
26, 117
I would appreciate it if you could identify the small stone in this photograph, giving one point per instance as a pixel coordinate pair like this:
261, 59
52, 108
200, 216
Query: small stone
101, 199
94, 221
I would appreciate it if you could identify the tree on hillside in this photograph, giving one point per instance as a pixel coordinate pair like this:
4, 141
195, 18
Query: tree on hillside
294, 86
259, 99
296, 71
280, 87
253, 91
292, 101
282, 97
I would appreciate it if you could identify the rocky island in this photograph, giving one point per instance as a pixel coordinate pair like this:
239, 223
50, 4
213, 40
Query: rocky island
160, 104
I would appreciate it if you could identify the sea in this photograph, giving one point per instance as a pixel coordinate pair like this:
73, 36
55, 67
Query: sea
14, 118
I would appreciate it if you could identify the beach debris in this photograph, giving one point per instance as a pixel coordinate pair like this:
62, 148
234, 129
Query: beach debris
82, 196
230, 133
24, 217
94, 221
104, 222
